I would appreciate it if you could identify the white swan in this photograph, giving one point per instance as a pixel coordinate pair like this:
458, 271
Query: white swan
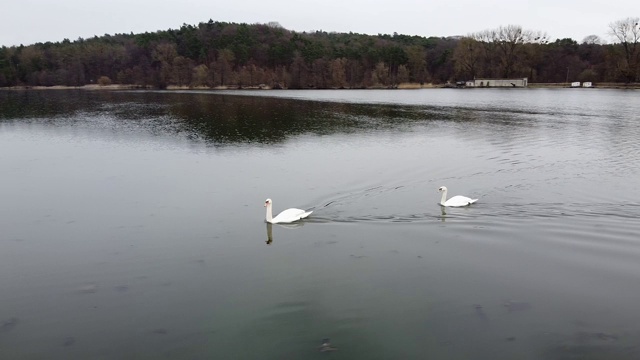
287, 216
457, 200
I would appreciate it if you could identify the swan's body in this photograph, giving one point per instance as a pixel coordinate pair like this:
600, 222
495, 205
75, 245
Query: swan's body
455, 201
287, 216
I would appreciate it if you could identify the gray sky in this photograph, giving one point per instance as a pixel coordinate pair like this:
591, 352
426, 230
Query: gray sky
29, 21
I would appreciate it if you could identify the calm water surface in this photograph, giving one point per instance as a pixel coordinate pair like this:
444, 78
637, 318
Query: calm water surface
132, 225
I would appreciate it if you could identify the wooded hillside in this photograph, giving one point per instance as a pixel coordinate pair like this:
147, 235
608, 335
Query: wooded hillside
242, 55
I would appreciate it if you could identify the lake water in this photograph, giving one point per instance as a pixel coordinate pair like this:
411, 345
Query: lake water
132, 224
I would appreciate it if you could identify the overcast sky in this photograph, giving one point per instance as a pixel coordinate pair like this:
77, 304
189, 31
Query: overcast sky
30, 21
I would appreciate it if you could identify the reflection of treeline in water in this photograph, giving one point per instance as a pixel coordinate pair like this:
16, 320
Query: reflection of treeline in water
215, 54
212, 118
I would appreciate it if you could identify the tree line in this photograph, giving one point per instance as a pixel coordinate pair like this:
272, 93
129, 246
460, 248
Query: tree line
215, 54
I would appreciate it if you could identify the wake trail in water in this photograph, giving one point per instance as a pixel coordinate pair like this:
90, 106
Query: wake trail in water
489, 213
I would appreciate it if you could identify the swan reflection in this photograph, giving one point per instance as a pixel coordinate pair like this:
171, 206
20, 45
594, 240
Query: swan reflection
286, 226
443, 212
269, 233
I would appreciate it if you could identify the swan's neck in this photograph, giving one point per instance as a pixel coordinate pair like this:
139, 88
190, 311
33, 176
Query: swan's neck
444, 197
269, 213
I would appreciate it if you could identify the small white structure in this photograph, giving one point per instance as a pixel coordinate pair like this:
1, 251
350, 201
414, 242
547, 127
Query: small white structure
575, 84
497, 83
587, 84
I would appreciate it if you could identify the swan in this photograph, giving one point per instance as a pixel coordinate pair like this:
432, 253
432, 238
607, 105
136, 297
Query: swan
287, 216
457, 200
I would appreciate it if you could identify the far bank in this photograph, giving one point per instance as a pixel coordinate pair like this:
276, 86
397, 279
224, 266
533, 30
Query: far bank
403, 86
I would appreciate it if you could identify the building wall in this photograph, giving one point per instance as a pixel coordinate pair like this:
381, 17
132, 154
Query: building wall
498, 83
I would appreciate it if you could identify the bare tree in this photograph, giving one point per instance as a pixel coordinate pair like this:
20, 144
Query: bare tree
225, 64
486, 49
627, 33
466, 57
274, 25
200, 75
338, 73
182, 70
163, 55
299, 72
594, 40
417, 62
380, 75
506, 43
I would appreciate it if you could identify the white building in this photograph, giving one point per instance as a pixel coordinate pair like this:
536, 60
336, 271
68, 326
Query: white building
497, 83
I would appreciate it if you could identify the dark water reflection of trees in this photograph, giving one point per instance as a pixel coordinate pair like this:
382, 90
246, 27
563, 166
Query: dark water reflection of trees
213, 118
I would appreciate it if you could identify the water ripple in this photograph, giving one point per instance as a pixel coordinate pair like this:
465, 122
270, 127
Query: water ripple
490, 213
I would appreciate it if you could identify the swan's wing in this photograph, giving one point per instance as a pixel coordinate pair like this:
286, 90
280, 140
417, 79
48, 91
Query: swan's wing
291, 215
459, 200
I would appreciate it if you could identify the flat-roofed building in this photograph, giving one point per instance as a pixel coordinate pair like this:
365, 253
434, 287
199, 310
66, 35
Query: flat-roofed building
522, 82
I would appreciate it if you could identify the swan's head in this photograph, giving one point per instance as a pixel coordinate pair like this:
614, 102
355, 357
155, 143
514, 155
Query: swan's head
442, 188
267, 202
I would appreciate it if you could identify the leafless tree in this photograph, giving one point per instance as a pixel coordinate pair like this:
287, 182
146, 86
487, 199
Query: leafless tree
225, 65
626, 32
417, 62
466, 57
506, 43
594, 40
274, 25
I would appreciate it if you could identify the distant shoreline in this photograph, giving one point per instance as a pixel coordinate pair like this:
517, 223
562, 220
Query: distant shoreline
404, 86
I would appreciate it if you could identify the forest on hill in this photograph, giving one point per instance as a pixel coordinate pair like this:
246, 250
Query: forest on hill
220, 54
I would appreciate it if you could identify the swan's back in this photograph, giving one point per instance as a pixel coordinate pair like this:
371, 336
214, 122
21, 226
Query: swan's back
291, 215
459, 200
